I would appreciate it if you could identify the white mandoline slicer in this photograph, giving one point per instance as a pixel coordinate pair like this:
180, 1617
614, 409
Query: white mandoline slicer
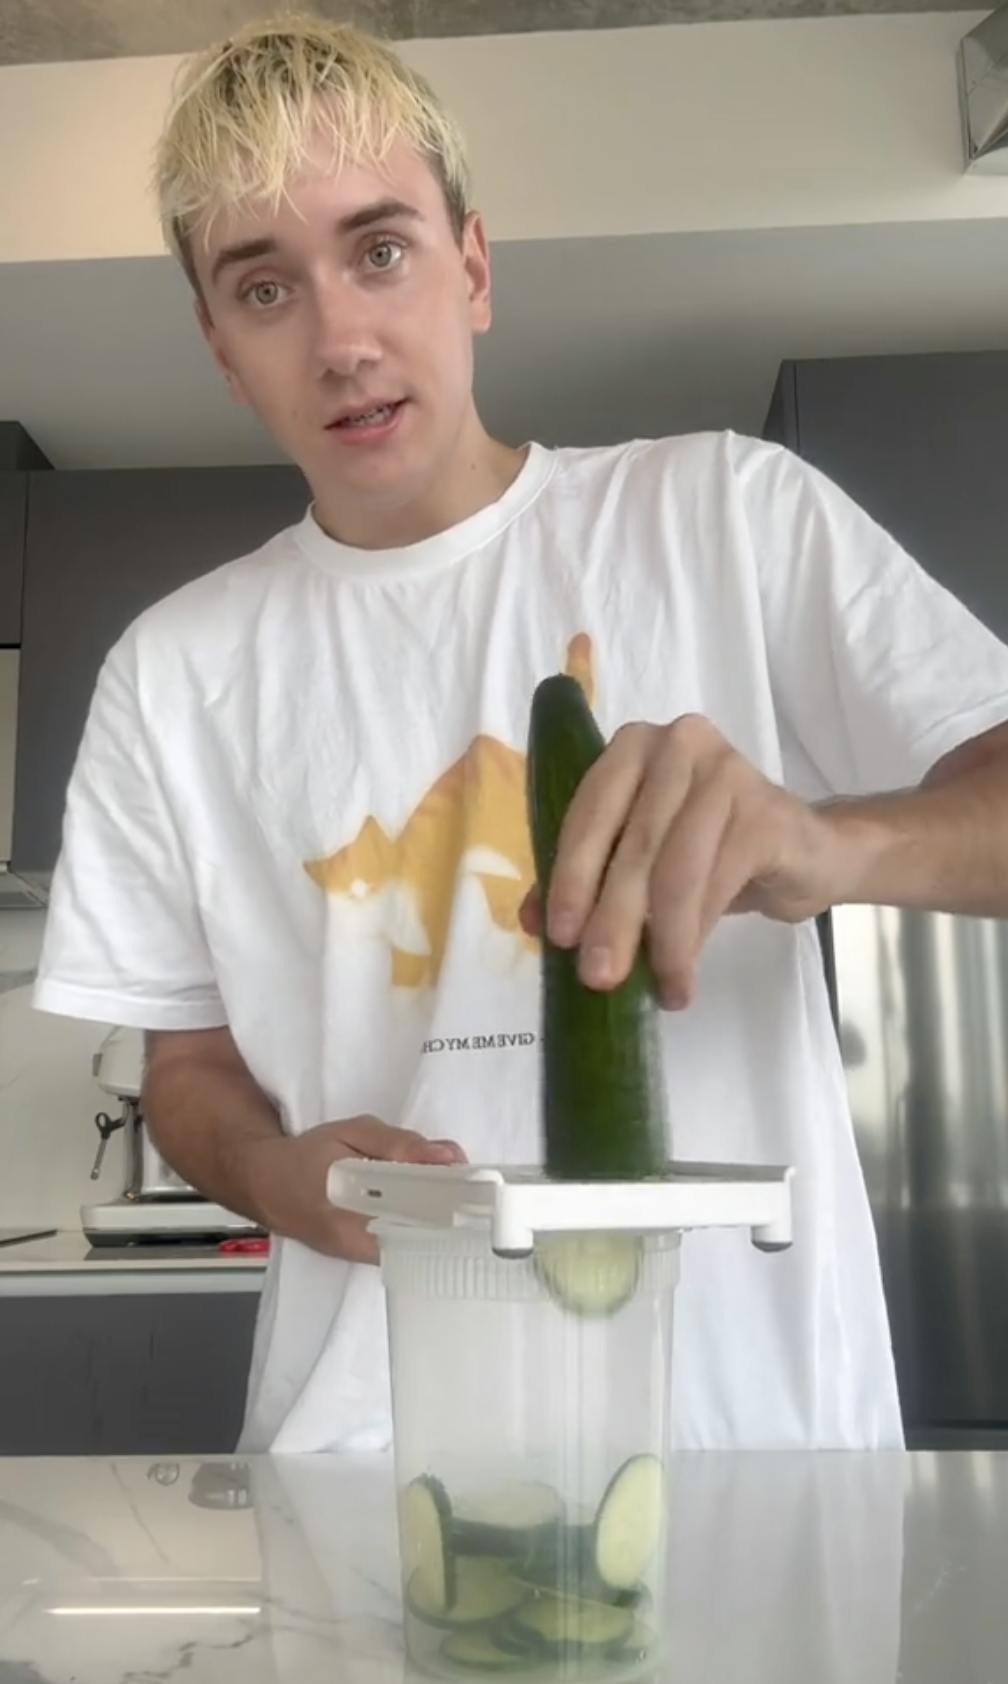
519, 1201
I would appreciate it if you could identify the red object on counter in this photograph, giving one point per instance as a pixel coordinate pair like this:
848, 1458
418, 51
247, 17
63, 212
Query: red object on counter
249, 1248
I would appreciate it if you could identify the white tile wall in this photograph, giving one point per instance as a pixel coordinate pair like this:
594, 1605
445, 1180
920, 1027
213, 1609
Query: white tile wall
48, 1097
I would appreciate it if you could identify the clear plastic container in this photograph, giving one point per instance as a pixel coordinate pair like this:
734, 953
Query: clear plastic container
530, 1405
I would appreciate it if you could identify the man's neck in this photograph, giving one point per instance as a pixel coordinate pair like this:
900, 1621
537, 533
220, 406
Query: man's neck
482, 472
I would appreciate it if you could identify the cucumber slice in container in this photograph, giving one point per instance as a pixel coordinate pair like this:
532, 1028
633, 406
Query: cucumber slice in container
628, 1526
508, 1521
571, 1623
485, 1590
638, 1645
425, 1524
520, 1507
591, 1274
563, 1564
478, 1651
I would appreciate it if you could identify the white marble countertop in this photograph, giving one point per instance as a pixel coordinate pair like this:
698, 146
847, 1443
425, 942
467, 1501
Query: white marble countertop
66, 1262
784, 1569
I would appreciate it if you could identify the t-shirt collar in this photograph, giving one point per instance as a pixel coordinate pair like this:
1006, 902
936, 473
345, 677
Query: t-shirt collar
445, 548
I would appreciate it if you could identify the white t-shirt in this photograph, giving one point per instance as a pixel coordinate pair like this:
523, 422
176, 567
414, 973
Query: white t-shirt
298, 809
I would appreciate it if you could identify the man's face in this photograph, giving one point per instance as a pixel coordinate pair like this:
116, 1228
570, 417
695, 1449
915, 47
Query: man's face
345, 319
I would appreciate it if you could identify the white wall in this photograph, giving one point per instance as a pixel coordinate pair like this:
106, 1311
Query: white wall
797, 122
47, 1097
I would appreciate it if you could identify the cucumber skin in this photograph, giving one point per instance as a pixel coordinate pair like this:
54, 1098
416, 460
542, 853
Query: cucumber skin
603, 1092
434, 1489
480, 1537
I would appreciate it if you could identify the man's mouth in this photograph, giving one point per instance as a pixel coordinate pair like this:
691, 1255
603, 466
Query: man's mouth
359, 420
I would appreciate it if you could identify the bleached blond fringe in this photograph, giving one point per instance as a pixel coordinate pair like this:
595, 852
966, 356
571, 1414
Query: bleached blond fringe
244, 112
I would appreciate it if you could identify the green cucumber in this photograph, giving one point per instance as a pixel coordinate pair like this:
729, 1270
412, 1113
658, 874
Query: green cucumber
603, 1094
628, 1526
425, 1525
485, 1590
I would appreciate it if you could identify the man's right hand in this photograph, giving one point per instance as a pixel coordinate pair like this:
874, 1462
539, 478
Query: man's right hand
289, 1173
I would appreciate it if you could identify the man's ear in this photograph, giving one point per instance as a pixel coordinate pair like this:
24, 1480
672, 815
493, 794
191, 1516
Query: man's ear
476, 258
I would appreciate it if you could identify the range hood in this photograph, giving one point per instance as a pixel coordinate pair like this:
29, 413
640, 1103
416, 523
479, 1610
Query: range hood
983, 94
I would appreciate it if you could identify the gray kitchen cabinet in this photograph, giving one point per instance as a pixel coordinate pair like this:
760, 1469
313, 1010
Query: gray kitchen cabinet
13, 500
918, 441
18, 449
18, 453
121, 1375
102, 545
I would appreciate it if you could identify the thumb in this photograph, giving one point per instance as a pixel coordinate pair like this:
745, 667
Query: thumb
530, 913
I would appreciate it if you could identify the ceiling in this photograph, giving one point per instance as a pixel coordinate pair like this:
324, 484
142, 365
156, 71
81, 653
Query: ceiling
36, 31
593, 340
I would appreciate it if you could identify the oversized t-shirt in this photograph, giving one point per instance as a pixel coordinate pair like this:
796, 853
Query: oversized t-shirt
298, 810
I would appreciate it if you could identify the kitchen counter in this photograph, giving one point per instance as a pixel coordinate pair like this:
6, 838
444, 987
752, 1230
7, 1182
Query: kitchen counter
784, 1569
65, 1262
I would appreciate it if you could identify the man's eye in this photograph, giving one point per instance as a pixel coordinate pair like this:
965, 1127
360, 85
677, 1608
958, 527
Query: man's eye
387, 254
264, 294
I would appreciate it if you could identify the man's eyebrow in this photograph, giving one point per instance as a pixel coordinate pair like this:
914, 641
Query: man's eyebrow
383, 210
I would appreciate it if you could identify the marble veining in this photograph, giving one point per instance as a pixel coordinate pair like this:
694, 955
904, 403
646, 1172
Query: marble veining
783, 1569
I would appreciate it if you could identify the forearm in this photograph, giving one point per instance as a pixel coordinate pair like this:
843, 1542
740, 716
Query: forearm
216, 1126
941, 847
209, 1119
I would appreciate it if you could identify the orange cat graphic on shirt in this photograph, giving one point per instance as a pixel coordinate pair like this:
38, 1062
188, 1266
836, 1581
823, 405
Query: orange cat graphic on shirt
472, 819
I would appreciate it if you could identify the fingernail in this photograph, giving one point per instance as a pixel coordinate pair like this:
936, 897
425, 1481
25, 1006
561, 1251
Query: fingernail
563, 925
444, 1151
596, 964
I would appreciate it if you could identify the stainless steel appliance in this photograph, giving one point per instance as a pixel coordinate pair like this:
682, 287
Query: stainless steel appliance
923, 1013
156, 1203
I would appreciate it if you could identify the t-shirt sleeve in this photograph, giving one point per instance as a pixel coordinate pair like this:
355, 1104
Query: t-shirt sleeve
877, 671
123, 940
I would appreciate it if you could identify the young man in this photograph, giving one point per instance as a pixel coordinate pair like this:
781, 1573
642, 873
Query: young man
295, 848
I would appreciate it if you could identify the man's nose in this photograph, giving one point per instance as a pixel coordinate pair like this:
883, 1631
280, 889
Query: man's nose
344, 336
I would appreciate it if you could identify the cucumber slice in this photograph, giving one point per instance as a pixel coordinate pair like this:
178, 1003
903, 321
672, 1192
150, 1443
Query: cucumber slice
485, 1590
628, 1526
563, 1562
425, 1522
519, 1507
477, 1651
639, 1599
572, 1623
507, 1522
592, 1274
638, 1645
564, 1565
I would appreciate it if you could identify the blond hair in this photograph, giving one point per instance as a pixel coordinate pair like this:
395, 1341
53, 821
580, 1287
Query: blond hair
245, 111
